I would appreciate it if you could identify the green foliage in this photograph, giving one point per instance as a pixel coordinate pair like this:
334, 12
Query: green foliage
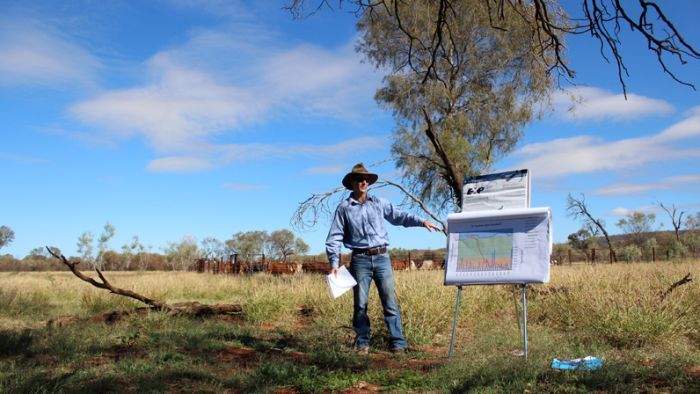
6, 236
630, 253
678, 250
456, 116
582, 240
637, 224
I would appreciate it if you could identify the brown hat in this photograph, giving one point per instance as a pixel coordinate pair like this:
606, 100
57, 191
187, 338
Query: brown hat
358, 169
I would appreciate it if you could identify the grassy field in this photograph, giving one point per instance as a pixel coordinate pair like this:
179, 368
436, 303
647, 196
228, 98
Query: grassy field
293, 338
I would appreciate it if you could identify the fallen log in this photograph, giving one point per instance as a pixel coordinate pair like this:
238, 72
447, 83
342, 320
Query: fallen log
192, 308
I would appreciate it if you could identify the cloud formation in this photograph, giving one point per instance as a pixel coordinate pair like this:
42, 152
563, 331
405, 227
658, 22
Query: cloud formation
202, 90
587, 154
211, 156
668, 183
589, 103
36, 53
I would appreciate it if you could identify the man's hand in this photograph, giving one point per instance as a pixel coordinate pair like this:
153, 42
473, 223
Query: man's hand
431, 226
334, 271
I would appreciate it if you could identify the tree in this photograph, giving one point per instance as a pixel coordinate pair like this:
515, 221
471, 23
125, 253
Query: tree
676, 219
283, 243
582, 240
637, 225
603, 20
249, 244
102, 243
213, 248
459, 103
85, 247
692, 222
181, 255
577, 208
133, 251
6, 236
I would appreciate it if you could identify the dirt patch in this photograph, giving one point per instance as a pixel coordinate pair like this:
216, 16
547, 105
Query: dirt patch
693, 370
238, 355
362, 387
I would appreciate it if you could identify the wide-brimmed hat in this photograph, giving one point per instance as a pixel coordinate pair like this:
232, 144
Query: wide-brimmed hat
358, 170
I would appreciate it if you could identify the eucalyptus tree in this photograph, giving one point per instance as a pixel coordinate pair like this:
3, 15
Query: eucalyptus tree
578, 209
181, 255
601, 20
108, 232
460, 103
637, 225
6, 236
85, 247
249, 244
283, 243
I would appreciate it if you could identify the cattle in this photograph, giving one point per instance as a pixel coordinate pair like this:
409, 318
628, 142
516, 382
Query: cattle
281, 268
400, 265
316, 267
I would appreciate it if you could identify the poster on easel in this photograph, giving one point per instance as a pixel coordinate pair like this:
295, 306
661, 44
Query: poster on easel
498, 238
499, 247
503, 190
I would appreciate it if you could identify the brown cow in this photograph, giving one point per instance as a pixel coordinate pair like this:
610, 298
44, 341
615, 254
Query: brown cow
280, 268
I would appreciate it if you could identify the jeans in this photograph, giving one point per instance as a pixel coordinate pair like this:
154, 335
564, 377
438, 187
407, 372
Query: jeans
364, 268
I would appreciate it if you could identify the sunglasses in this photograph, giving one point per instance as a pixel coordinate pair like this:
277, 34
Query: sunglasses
361, 179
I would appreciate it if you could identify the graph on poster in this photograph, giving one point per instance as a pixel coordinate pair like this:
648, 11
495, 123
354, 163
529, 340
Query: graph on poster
485, 251
499, 246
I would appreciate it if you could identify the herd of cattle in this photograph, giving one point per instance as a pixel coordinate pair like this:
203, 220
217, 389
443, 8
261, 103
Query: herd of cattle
218, 266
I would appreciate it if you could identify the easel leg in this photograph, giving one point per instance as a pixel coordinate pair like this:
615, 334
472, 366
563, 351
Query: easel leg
454, 323
524, 323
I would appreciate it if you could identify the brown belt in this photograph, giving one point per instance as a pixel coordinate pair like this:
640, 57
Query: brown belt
370, 251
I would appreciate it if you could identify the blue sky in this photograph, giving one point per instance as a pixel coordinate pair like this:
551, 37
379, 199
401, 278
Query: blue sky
176, 118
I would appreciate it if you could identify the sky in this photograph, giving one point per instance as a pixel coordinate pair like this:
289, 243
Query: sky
204, 118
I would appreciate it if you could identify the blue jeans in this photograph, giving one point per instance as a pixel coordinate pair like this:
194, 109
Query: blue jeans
364, 268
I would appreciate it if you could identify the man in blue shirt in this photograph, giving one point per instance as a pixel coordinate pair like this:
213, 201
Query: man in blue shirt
359, 225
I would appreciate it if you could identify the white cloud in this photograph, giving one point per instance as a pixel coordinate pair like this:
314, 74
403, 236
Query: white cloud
178, 111
585, 154
209, 156
619, 212
196, 91
32, 52
668, 183
589, 103
179, 164
327, 170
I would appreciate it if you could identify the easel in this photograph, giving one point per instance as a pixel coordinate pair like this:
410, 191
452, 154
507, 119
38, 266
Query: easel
524, 329
483, 185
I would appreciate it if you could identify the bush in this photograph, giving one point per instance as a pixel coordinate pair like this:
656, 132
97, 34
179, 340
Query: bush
630, 253
678, 250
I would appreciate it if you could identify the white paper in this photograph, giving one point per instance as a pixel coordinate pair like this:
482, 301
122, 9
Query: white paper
341, 283
505, 246
505, 190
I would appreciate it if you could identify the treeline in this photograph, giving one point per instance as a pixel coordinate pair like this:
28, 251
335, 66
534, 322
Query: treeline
640, 238
96, 252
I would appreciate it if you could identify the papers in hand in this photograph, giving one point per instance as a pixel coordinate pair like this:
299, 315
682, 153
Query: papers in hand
340, 283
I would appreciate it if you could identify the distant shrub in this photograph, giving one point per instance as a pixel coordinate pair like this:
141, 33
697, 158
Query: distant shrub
678, 250
630, 253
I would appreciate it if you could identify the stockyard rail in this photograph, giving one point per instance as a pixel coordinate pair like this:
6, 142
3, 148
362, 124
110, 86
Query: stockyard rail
234, 266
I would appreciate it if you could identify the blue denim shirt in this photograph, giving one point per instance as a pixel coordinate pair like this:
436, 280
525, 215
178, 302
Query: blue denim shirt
361, 226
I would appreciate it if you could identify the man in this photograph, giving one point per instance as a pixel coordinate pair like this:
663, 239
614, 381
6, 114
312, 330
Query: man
359, 225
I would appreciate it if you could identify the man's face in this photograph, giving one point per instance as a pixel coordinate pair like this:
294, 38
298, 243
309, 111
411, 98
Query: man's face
360, 184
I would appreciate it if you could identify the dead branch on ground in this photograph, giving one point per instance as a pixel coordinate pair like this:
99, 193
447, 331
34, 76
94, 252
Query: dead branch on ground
192, 308
681, 282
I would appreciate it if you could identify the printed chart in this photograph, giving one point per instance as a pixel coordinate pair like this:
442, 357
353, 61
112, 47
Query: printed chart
507, 246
